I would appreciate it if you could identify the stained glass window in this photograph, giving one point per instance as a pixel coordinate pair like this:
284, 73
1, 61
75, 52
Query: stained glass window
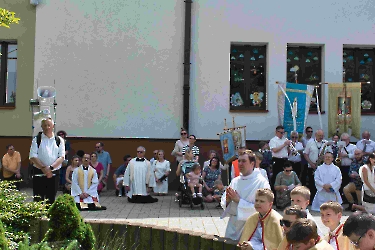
303, 65
248, 77
358, 66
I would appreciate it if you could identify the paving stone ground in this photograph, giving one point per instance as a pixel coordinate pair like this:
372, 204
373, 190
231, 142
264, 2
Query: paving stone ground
166, 212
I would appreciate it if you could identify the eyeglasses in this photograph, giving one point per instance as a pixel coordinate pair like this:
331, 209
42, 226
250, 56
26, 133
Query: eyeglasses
183, 133
309, 131
285, 223
281, 132
140, 152
294, 137
356, 243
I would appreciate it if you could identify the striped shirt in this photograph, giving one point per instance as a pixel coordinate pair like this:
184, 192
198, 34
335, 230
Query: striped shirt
194, 150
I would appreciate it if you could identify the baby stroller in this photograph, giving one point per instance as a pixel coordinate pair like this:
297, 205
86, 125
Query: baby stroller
186, 197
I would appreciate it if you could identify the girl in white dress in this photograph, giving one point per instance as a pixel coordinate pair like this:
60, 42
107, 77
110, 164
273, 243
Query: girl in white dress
161, 168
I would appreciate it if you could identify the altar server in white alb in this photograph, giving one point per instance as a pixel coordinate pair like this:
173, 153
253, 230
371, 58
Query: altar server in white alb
239, 198
139, 179
328, 182
85, 185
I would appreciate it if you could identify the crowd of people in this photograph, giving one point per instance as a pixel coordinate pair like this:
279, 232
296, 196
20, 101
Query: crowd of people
290, 173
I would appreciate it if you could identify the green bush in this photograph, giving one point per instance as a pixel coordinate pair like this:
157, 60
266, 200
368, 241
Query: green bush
66, 223
66, 245
17, 213
3, 240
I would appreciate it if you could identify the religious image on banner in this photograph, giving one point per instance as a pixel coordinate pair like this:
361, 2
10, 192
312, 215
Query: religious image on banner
344, 107
239, 137
228, 146
293, 106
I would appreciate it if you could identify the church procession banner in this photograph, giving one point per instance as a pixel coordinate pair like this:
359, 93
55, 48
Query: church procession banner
231, 140
344, 109
293, 106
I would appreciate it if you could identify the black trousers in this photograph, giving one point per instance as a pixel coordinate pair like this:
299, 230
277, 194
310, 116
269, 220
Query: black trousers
345, 179
297, 167
14, 178
45, 187
304, 173
311, 184
277, 167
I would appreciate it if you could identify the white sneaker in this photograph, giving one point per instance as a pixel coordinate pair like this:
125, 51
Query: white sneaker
200, 195
194, 195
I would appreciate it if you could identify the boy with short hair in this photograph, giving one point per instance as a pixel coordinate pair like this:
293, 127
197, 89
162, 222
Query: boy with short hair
262, 230
291, 214
300, 195
303, 235
330, 214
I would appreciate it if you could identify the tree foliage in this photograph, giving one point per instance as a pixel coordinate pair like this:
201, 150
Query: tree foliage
7, 18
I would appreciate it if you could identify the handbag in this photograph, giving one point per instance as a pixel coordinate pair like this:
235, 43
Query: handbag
369, 196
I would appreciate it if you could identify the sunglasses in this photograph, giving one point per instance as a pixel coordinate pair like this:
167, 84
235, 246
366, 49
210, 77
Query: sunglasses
281, 132
288, 170
356, 243
309, 131
285, 223
294, 137
140, 152
183, 133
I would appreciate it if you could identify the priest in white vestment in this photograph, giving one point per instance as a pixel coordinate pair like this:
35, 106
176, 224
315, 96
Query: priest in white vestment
239, 198
328, 182
84, 187
139, 179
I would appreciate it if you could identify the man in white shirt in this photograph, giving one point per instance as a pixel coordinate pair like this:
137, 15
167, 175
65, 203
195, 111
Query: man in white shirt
295, 157
366, 144
347, 155
279, 147
239, 198
47, 158
311, 153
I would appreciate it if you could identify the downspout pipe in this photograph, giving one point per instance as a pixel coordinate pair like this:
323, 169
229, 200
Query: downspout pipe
187, 51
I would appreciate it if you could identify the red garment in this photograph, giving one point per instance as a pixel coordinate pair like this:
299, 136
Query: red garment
236, 169
98, 169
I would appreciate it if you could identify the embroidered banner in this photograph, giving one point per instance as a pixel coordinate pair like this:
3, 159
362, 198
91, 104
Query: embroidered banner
293, 106
231, 140
344, 112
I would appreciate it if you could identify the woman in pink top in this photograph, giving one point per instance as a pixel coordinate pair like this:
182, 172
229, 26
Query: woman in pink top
99, 170
193, 179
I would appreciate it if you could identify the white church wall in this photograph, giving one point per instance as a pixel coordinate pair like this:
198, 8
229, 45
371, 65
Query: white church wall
217, 23
118, 65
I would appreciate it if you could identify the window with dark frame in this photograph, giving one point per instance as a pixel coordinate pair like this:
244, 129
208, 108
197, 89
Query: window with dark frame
304, 65
8, 73
248, 85
358, 66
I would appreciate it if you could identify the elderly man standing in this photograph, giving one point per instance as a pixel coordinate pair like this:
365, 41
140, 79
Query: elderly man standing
355, 184
47, 153
347, 155
312, 152
139, 179
12, 166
